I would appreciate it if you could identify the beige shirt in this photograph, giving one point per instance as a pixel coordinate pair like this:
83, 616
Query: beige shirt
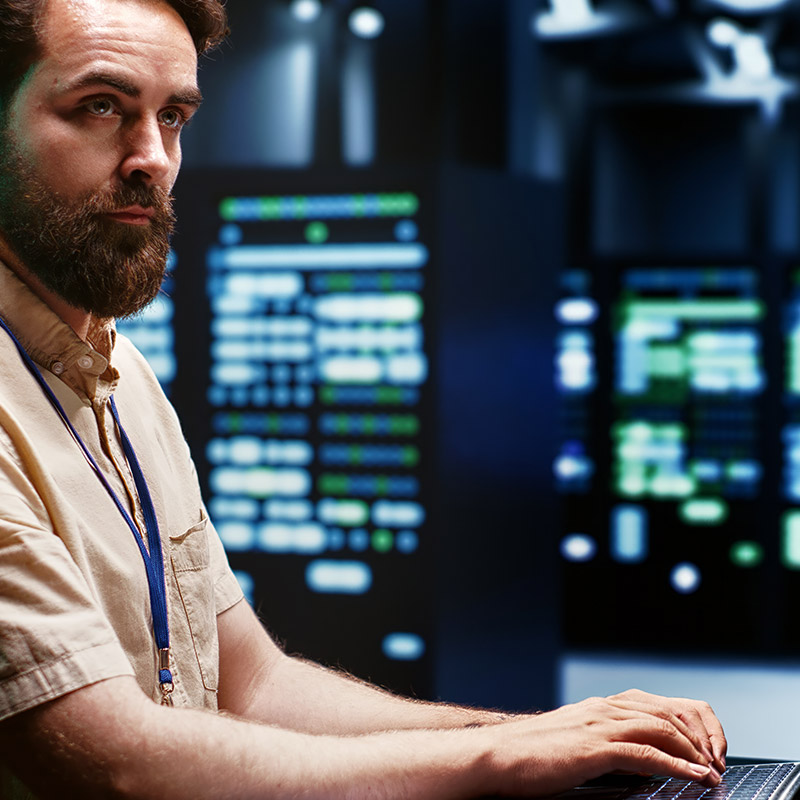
74, 602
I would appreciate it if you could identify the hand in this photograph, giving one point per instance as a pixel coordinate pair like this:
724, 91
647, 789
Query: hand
632, 732
698, 716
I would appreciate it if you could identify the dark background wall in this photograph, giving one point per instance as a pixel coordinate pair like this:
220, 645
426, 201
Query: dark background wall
543, 154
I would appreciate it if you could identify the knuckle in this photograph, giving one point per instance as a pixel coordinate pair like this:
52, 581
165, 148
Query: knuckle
632, 756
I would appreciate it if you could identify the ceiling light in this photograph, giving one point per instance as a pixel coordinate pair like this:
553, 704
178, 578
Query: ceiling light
306, 10
366, 22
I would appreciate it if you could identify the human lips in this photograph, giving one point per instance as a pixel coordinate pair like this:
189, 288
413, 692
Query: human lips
132, 215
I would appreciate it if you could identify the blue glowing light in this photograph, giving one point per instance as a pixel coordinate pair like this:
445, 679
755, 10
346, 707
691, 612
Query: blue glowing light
577, 311
306, 10
338, 577
403, 646
366, 22
629, 534
685, 578
406, 230
578, 547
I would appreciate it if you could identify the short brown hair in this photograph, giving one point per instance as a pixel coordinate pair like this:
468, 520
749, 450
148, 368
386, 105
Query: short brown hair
206, 20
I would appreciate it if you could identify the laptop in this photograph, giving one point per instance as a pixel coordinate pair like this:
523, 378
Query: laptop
761, 781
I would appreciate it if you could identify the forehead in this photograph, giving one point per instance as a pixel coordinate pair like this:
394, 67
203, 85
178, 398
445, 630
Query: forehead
145, 38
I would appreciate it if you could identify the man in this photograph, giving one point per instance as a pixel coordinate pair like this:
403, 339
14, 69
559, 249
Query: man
96, 699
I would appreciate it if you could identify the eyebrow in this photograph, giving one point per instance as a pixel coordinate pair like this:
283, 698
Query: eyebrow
190, 96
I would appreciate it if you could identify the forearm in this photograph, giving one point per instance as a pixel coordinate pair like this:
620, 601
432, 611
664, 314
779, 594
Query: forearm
335, 703
139, 750
109, 740
236, 759
261, 683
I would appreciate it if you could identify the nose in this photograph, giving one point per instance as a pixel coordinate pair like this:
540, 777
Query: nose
146, 158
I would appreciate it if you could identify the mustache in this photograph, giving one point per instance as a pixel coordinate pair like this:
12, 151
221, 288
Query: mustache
113, 200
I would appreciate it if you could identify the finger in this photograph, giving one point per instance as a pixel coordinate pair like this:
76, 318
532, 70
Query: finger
695, 733
719, 744
713, 728
634, 757
699, 716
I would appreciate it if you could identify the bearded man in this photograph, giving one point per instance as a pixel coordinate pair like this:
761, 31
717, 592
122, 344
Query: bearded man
129, 663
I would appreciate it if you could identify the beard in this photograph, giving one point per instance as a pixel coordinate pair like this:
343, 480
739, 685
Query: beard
108, 268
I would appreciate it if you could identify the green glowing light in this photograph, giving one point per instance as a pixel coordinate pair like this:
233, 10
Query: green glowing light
403, 425
666, 362
382, 540
316, 232
632, 485
389, 395
704, 511
269, 207
409, 456
333, 484
746, 554
234, 422
227, 209
695, 310
299, 205
355, 454
340, 282
670, 485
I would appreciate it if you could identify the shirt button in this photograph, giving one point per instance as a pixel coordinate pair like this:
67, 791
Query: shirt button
57, 368
85, 362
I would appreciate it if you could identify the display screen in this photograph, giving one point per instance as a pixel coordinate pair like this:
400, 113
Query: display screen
678, 462
302, 380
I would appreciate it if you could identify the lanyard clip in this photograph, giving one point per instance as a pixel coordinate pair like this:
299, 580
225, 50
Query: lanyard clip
165, 677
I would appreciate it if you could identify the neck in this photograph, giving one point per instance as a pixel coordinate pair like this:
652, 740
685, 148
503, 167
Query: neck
76, 318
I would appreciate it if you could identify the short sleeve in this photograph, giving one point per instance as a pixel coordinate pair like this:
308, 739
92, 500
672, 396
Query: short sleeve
227, 591
54, 638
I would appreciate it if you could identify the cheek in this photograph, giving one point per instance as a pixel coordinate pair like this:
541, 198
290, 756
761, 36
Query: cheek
175, 166
70, 165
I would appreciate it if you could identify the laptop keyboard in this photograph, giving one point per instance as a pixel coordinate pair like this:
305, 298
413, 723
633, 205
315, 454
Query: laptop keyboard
740, 782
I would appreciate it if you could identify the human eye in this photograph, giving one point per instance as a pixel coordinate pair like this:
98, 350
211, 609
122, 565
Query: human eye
100, 107
173, 118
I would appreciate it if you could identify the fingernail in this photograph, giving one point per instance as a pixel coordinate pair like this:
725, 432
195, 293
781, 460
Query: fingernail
699, 769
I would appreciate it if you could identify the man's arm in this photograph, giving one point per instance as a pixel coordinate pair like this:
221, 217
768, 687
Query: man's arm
259, 682
110, 740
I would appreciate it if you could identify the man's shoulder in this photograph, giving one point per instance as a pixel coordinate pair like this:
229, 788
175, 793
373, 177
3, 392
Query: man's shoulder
132, 365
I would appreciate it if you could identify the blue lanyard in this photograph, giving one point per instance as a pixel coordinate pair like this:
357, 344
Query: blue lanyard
153, 560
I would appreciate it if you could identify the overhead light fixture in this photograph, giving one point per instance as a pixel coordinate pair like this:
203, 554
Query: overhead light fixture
751, 58
568, 19
750, 6
366, 22
306, 10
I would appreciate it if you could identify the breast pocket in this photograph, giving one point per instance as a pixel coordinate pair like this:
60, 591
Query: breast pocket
190, 562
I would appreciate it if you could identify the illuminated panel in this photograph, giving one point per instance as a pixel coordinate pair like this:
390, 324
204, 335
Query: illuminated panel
575, 377
316, 381
667, 465
151, 331
576, 380
688, 374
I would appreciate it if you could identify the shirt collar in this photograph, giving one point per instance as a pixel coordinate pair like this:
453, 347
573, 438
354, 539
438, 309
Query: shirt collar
83, 366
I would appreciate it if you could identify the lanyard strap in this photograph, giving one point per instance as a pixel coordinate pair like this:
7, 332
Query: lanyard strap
153, 560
